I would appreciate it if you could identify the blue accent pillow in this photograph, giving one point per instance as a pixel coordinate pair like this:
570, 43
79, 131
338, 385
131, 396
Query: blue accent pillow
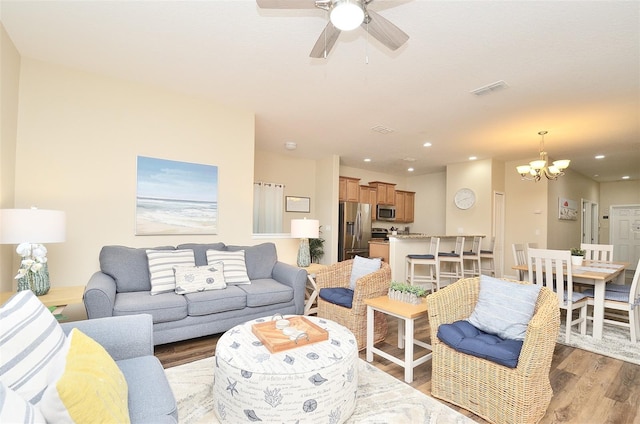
361, 267
338, 296
465, 338
504, 308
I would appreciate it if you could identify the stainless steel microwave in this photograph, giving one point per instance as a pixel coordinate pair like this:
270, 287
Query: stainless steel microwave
385, 213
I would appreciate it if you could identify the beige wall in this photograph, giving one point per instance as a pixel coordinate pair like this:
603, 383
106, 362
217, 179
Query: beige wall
78, 138
616, 193
9, 83
430, 211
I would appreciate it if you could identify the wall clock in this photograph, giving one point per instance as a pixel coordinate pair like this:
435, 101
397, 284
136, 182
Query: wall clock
464, 198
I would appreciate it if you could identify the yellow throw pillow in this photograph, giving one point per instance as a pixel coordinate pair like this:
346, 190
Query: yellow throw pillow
86, 385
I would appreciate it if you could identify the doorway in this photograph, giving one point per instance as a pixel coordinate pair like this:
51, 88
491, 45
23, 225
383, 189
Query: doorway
624, 233
590, 227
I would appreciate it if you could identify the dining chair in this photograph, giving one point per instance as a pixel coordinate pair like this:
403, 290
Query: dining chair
454, 259
472, 257
519, 257
552, 269
622, 298
486, 257
428, 261
597, 252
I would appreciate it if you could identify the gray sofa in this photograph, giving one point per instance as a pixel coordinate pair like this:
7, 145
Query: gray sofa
150, 397
122, 287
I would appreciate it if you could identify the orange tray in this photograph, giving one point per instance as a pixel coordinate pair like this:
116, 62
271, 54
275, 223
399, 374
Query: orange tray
276, 341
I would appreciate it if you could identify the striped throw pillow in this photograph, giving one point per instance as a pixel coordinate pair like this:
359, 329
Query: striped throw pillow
161, 263
14, 409
30, 337
235, 269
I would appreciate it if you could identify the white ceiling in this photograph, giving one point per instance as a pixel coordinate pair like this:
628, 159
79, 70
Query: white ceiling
572, 68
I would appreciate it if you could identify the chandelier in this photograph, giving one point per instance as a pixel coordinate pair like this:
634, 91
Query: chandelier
537, 168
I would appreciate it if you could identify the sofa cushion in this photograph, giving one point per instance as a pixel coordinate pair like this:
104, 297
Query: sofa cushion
191, 279
128, 266
162, 307
361, 267
504, 308
465, 338
150, 396
30, 337
14, 409
267, 292
161, 263
235, 270
212, 302
337, 295
200, 250
259, 259
87, 385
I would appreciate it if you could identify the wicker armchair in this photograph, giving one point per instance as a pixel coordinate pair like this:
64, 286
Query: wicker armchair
355, 319
496, 393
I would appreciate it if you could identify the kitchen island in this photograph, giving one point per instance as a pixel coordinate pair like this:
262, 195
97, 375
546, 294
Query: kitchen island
402, 245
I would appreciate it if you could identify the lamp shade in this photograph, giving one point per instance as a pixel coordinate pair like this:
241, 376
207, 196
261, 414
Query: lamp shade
305, 228
32, 226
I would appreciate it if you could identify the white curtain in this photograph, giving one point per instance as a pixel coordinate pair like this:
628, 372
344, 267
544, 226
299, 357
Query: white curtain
268, 207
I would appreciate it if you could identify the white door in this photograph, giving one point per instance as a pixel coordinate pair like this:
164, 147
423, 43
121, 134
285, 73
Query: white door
498, 232
624, 233
589, 222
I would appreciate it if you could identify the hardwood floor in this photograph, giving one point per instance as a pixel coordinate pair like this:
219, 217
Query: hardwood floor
588, 388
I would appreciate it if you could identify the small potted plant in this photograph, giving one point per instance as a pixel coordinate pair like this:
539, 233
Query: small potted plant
404, 292
577, 256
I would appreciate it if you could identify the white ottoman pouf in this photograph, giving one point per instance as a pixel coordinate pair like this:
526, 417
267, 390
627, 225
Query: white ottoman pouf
315, 383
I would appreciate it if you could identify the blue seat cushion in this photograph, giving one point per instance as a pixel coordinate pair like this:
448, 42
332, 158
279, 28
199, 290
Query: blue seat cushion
421, 256
465, 338
451, 254
486, 251
617, 294
338, 296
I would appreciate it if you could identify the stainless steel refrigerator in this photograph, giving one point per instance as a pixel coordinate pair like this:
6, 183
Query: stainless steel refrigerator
354, 231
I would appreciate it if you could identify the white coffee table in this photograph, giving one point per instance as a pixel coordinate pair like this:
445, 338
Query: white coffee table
308, 384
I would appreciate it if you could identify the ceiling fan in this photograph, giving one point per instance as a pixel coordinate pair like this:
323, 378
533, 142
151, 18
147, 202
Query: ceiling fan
344, 15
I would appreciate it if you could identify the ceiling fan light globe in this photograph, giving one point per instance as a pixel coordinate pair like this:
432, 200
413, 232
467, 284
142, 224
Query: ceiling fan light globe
347, 15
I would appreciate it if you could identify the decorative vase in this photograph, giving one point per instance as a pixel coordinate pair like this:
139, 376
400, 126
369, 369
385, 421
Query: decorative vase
577, 260
36, 281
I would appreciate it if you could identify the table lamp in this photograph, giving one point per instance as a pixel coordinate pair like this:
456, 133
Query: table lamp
29, 228
304, 229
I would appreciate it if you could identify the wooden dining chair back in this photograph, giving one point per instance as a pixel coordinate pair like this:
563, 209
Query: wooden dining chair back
597, 252
552, 269
623, 299
519, 257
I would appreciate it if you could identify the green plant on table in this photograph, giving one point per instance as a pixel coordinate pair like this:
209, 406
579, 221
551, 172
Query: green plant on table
576, 251
408, 288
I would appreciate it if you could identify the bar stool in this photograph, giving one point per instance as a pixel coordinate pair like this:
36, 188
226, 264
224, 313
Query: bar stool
455, 259
486, 256
430, 260
473, 256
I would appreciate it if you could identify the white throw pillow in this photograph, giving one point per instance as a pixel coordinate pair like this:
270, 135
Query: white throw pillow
361, 267
191, 279
161, 263
30, 337
235, 269
504, 308
14, 409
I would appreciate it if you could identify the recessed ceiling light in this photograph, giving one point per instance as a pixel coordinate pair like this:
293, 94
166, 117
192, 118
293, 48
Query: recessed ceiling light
626, 177
427, 144
367, 159
473, 157
599, 156
410, 169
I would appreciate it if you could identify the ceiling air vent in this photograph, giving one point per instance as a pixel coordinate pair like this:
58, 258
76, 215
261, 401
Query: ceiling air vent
495, 86
382, 129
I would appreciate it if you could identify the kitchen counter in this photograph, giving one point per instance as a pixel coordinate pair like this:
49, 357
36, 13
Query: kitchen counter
379, 248
428, 236
378, 241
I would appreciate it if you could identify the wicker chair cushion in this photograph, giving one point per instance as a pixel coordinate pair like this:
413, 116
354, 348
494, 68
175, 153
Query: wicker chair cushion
361, 267
465, 338
338, 296
504, 308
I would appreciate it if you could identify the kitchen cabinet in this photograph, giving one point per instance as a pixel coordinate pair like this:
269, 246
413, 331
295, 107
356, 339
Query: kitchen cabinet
349, 189
379, 249
405, 204
385, 192
368, 195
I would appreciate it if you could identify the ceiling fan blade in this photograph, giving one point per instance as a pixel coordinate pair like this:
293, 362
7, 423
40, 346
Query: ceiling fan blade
384, 31
325, 42
286, 4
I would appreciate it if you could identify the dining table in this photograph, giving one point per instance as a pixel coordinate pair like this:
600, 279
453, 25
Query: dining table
596, 274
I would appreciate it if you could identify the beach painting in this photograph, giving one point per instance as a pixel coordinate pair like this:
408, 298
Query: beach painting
567, 209
176, 197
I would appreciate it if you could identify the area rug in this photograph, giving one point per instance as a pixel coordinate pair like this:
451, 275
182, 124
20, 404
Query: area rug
615, 342
381, 397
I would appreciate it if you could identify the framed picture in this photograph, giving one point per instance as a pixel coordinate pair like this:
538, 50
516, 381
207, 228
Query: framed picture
297, 204
176, 197
567, 209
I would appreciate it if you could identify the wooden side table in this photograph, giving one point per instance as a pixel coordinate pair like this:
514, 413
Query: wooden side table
57, 296
311, 296
407, 314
